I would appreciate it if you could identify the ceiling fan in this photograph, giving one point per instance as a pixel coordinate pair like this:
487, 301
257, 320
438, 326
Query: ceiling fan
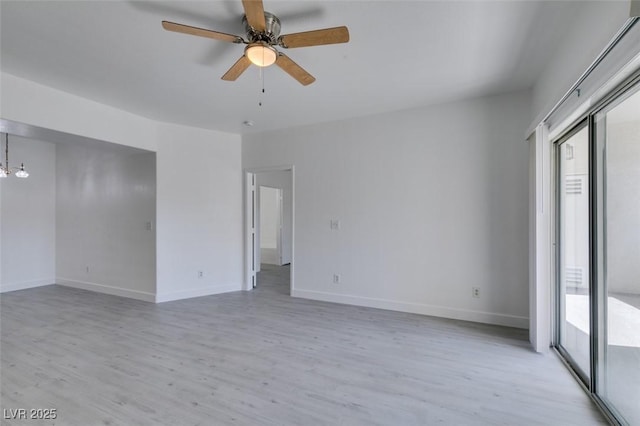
263, 35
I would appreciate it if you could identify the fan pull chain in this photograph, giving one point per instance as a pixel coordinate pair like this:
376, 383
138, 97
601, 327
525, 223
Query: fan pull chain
262, 80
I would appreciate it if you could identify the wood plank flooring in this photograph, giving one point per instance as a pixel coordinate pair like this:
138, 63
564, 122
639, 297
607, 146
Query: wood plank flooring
264, 358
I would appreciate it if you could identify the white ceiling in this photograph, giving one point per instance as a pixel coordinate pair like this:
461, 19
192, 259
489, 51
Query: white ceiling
402, 54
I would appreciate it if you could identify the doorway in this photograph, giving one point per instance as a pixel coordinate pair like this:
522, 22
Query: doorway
269, 225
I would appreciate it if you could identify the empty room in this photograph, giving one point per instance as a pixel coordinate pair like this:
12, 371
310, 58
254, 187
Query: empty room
319, 212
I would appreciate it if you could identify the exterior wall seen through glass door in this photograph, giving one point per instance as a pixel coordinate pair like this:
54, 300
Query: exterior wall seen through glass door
573, 259
618, 143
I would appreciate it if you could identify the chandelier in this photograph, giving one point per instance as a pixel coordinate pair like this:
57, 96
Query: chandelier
5, 170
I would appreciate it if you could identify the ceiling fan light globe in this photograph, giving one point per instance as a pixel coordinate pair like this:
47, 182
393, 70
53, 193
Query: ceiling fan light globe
261, 54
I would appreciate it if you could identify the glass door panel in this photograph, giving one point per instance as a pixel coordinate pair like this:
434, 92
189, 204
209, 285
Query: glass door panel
618, 168
573, 249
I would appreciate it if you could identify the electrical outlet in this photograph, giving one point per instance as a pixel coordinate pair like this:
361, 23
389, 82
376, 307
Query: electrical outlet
475, 292
200, 274
336, 278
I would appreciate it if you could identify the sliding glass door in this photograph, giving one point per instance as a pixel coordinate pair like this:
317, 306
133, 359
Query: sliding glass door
573, 248
617, 138
598, 251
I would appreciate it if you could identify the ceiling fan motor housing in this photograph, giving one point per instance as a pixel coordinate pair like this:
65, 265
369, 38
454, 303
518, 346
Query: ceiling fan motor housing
271, 33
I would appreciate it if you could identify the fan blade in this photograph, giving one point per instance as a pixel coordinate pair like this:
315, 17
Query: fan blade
187, 29
238, 68
294, 70
315, 38
254, 11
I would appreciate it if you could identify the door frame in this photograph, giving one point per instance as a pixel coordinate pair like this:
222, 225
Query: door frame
250, 215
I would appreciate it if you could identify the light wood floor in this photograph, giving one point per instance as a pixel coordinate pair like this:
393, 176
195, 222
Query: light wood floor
263, 358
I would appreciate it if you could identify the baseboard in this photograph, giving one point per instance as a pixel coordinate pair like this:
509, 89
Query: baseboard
107, 289
417, 308
197, 292
4, 288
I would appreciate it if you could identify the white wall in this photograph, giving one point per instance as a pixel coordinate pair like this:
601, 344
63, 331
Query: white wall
105, 220
269, 217
269, 225
432, 202
27, 217
587, 36
31, 103
623, 207
199, 213
282, 179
